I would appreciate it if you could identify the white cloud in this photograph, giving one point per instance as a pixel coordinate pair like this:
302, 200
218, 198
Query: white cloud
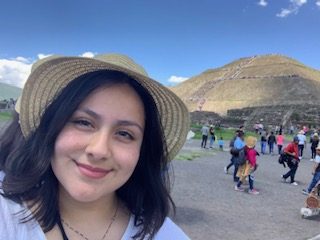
88, 54
15, 71
41, 55
318, 3
263, 3
176, 79
284, 13
292, 8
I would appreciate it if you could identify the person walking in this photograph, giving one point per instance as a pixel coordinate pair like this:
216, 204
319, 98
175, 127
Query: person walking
302, 142
212, 136
263, 142
250, 166
314, 140
238, 145
232, 151
293, 160
279, 141
315, 172
271, 142
204, 132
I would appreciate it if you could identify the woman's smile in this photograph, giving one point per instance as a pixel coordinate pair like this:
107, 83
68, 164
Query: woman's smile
92, 172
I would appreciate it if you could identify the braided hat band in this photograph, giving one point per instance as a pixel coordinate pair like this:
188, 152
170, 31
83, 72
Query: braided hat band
50, 77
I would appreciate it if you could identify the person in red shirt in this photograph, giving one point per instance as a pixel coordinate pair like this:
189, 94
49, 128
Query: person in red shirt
292, 151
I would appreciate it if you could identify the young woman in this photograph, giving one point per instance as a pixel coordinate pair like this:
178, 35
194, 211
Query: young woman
87, 155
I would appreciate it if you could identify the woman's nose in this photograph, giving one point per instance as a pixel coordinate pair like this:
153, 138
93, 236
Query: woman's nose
98, 147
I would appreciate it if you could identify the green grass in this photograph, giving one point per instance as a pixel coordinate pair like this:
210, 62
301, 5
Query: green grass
191, 155
5, 116
225, 133
188, 156
228, 133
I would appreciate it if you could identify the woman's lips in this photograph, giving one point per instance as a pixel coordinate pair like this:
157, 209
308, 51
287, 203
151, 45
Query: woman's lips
92, 172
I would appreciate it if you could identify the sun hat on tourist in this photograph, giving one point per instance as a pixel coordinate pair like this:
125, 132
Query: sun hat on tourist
50, 76
251, 141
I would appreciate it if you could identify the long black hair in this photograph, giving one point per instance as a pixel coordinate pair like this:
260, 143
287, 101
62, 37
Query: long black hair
29, 177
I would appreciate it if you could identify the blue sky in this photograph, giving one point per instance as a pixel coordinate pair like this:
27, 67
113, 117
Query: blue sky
173, 40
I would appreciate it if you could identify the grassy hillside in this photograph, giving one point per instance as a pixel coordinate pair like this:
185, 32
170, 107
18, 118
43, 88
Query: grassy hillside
8, 91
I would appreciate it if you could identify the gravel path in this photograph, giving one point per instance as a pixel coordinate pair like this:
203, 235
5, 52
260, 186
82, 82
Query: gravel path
209, 208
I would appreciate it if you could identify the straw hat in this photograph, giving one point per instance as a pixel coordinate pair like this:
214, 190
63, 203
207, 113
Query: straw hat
251, 141
49, 77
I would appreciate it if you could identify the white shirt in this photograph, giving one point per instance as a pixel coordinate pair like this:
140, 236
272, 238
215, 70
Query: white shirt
302, 139
12, 229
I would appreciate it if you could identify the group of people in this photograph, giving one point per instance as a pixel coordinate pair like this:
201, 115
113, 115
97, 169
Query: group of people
209, 132
293, 153
270, 140
244, 160
87, 153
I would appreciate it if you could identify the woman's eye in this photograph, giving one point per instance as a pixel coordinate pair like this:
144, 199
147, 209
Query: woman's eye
125, 134
82, 123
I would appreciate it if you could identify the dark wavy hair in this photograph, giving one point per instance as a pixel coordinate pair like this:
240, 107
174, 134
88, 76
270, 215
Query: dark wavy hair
28, 173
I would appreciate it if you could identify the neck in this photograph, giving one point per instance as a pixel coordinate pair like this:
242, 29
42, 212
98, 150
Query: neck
99, 210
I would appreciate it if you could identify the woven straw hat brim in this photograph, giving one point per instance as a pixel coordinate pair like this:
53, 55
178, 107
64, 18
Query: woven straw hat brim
46, 82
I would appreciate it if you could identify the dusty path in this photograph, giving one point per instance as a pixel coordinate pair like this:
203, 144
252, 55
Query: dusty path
208, 207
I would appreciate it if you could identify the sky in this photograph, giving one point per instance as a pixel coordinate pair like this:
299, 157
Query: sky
173, 40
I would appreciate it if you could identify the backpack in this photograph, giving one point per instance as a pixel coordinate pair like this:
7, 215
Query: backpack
241, 158
284, 158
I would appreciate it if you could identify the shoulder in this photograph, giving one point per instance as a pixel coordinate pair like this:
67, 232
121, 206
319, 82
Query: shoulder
169, 230
10, 226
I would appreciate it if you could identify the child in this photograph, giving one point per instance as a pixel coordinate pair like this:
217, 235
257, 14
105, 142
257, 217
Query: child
221, 143
247, 169
315, 173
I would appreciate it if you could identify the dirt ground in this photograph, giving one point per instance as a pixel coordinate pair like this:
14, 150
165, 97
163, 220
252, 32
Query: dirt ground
208, 207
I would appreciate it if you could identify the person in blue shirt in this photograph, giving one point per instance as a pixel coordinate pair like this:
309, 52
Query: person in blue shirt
238, 144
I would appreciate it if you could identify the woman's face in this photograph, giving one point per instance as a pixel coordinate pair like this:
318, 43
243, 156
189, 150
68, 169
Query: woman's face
98, 149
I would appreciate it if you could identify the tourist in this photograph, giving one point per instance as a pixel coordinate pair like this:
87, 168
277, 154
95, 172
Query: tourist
86, 157
232, 152
212, 136
315, 173
293, 160
204, 132
302, 142
271, 142
279, 141
314, 140
247, 170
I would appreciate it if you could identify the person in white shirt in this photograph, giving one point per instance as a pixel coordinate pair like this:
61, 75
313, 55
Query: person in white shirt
87, 155
302, 142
